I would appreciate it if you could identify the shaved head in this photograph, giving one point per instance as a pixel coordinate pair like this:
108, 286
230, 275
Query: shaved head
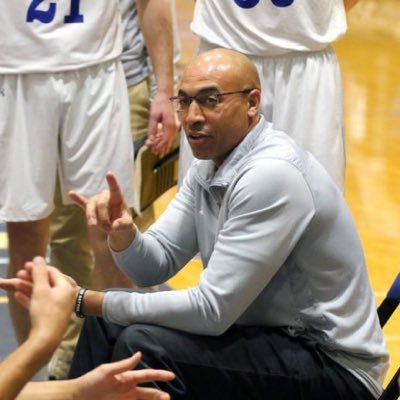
227, 65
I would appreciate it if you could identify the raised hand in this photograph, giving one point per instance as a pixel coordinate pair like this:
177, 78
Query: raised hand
51, 301
108, 211
37, 274
48, 295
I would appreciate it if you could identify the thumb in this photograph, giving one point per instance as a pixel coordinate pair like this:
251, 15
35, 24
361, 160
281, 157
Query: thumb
124, 222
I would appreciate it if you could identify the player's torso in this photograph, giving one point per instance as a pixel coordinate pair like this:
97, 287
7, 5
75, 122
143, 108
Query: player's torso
44, 36
270, 27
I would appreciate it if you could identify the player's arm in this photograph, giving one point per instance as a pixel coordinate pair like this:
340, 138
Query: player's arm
114, 381
49, 296
156, 26
19, 367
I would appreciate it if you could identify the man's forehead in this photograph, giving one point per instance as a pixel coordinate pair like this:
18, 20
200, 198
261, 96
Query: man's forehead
204, 68
199, 90
200, 81
197, 85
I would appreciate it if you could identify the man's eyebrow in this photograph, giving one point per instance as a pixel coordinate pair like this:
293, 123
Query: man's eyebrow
203, 90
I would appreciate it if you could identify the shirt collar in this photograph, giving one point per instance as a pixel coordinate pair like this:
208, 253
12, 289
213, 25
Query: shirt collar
208, 176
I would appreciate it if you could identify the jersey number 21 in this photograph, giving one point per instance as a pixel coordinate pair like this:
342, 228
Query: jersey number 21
47, 16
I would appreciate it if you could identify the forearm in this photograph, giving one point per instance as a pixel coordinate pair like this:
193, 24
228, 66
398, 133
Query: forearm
93, 303
49, 390
157, 255
146, 262
19, 367
156, 27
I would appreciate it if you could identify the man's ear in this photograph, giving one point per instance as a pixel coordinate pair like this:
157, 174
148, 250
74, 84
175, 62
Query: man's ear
254, 100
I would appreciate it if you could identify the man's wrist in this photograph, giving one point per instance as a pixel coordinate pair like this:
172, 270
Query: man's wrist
119, 241
88, 302
79, 303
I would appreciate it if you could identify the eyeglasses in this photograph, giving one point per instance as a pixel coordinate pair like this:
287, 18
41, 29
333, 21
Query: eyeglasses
207, 100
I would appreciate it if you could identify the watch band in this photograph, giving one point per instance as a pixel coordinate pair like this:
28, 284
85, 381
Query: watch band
79, 303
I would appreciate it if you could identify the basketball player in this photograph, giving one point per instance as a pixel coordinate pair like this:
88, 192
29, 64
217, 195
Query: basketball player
64, 103
289, 42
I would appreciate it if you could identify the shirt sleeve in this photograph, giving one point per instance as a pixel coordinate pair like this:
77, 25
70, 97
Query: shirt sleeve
267, 209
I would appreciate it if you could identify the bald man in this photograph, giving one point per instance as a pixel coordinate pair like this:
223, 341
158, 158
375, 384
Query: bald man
283, 309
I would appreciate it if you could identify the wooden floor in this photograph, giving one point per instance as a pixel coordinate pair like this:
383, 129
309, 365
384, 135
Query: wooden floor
370, 59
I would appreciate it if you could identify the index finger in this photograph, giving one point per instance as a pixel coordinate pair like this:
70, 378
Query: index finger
40, 276
139, 376
115, 191
9, 284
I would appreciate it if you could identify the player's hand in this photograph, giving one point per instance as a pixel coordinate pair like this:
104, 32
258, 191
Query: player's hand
48, 295
22, 285
117, 381
163, 125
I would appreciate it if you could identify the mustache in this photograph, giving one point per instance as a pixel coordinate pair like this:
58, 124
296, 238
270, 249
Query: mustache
198, 131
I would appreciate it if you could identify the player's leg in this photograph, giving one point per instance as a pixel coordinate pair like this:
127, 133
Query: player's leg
96, 139
70, 246
71, 249
302, 95
71, 252
25, 241
28, 158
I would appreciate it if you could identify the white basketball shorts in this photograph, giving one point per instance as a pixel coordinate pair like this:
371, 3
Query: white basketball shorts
74, 122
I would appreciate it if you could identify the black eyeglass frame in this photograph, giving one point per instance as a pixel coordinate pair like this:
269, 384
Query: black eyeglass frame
173, 99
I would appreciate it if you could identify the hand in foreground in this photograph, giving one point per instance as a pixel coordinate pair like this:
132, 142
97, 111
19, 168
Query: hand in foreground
51, 303
48, 295
117, 381
108, 211
163, 125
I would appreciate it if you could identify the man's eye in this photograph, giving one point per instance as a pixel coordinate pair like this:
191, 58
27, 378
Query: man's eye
184, 101
210, 100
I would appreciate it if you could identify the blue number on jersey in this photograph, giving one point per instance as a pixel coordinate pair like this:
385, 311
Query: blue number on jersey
74, 16
46, 16
42, 16
253, 3
247, 3
282, 3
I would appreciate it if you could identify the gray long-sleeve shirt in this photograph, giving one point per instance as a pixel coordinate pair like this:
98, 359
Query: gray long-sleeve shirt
279, 248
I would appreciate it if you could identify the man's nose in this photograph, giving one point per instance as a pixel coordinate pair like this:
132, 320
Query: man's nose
194, 112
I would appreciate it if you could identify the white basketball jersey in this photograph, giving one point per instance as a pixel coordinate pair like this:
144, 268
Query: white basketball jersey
269, 27
58, 35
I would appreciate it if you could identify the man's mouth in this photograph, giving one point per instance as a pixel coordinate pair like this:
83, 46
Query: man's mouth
195, 137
